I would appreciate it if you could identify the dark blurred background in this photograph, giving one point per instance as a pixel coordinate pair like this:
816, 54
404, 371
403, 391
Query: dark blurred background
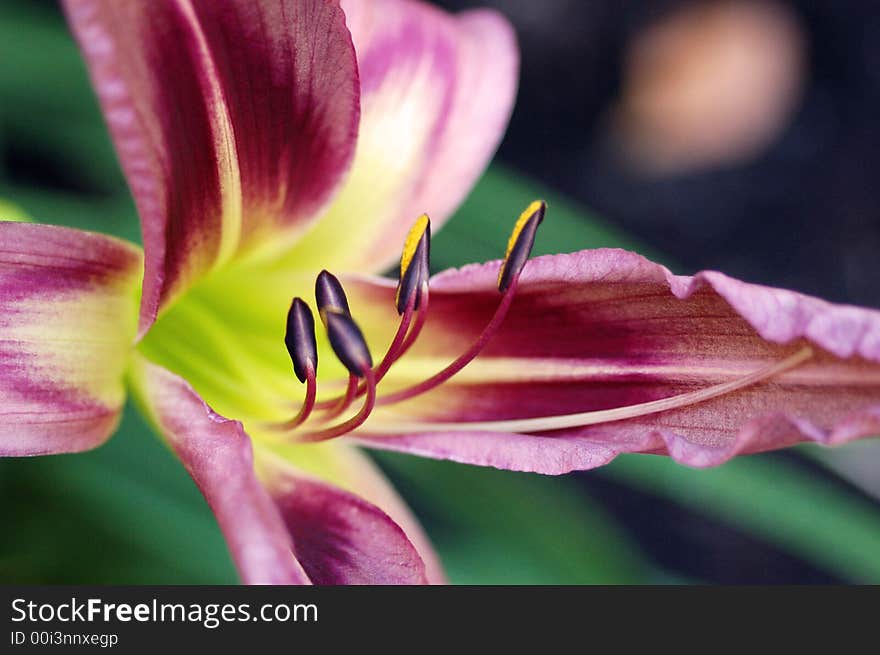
738, 135
741, 135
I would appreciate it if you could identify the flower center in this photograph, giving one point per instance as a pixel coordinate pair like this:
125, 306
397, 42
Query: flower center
350, 347
222, 337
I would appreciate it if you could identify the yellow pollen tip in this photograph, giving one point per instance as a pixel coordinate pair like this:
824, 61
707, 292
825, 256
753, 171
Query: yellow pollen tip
520, 225
412, 242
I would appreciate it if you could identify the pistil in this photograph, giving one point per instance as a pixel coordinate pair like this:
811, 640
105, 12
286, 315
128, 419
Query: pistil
583, 419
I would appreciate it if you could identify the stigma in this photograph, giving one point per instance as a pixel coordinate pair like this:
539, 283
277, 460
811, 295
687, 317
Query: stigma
314, 421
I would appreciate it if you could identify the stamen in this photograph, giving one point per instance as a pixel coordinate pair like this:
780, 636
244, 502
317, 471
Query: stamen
348, 342
519, 247
414, 261
395, 349
583, 419
461, 361
399, 345
520, 244
412, 291
354, 422
329, 294
307, 406
299, 337
421, 317
336, 406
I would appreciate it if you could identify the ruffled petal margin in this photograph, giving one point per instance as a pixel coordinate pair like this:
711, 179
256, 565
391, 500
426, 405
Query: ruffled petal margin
602, 329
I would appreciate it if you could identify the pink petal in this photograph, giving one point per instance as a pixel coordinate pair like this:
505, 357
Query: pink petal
68, 309
218, 455
285, 527
233, 120
363, 477
339, 537
436, 94
606, 328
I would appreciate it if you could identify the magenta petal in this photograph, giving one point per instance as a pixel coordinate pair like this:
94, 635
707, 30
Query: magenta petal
68, 309
603, 329
233, 120
289, 77
340, 538
219, 457
284, 528
437, 90
472, 62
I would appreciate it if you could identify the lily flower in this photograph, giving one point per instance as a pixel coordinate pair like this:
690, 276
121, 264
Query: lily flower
279, 151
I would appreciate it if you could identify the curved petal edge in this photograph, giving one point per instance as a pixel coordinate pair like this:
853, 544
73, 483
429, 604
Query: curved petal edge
604, 329
339, 537
234, 121
218, 455
68, 309
437, 91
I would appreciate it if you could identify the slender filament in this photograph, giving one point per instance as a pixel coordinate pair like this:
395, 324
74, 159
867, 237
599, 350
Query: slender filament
352, 423
395, 349
399, 345
463, 360
336, 406
546, 423
308, 403
421, 317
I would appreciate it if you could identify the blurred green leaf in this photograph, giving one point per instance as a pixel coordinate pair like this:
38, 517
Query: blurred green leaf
124, 513
770, 498
501, 527
480, 229
42, 72
81, 148
49, 110
114, 214
12, 213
